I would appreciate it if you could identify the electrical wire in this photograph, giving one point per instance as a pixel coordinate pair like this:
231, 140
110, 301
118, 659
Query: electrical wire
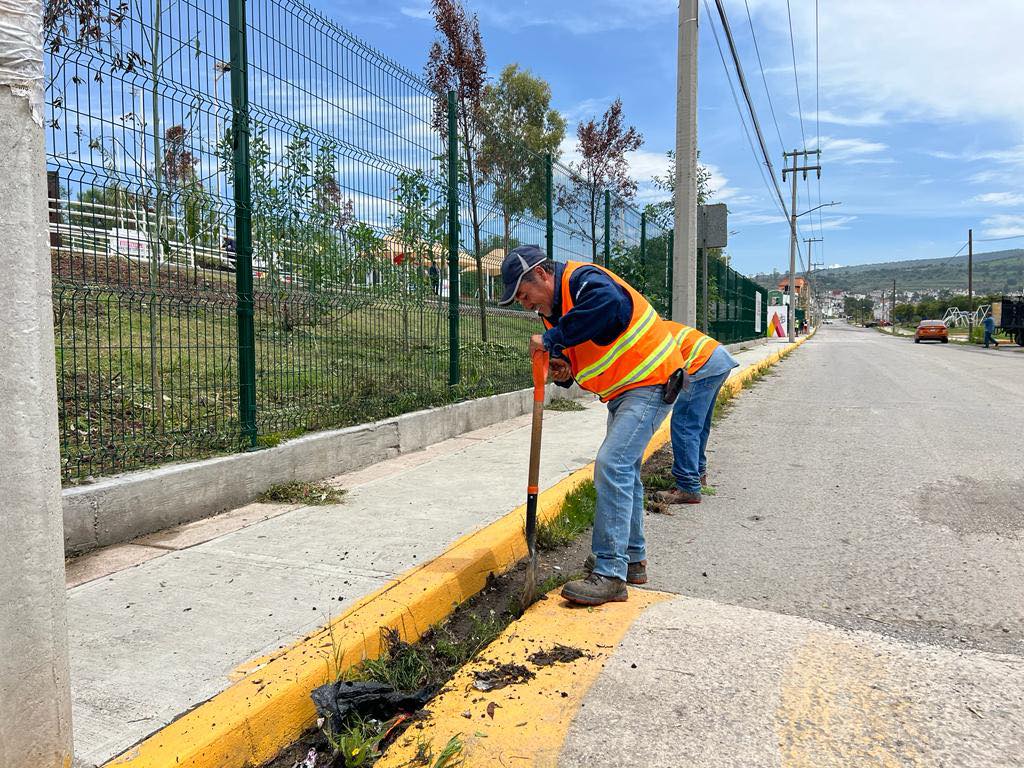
796, 79
746, 94
760, 65
994, 239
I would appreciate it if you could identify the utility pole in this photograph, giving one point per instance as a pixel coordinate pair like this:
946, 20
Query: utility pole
970, 285
684, 251
35, 692
795, 154
892, 314
810, 268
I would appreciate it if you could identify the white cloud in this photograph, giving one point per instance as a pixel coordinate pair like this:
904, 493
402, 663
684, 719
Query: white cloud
852, 151
1003, 225
836, 222
1000, 198
863, 119
578, 17
942, 59
418, 12
587, 109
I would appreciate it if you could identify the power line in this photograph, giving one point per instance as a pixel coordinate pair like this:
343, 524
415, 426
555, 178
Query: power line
994, 239
817, 115
796, 79
739, 109
746, 95
760, 65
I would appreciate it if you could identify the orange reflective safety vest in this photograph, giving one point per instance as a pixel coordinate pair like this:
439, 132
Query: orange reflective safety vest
694, 346
645, 354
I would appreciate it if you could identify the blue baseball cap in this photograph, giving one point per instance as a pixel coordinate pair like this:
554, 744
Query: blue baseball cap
517, 263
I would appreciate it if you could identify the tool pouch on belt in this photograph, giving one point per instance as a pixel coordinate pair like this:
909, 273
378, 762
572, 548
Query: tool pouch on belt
676, 383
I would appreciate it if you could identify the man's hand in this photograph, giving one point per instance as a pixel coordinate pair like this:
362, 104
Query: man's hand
559, 370
536, 344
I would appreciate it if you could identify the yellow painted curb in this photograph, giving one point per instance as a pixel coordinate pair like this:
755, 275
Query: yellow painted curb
524, 724
269, 707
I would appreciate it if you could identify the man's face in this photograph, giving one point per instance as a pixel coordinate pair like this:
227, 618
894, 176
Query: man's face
537, 291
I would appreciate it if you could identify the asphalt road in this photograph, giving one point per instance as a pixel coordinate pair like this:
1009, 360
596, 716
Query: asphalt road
871, 483
854, 593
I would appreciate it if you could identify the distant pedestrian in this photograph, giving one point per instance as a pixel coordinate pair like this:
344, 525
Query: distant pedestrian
435, 278
990, 330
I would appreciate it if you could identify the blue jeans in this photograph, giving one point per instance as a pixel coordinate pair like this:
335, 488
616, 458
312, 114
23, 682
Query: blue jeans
618, 536
990, 338
691, 425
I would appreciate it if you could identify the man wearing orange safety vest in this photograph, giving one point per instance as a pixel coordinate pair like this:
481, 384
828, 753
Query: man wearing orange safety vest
605, 335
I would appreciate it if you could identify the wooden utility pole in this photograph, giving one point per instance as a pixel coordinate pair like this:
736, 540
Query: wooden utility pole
970, 284
791, 315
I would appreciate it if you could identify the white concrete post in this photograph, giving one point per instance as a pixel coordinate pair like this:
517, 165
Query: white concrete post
684, 256
35, 698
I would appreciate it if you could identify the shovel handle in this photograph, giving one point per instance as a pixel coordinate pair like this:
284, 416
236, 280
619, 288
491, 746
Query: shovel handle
540, 375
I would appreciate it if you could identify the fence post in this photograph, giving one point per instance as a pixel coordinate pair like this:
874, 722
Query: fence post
643, 251
549, 213
607, 228
243, 222
453, 243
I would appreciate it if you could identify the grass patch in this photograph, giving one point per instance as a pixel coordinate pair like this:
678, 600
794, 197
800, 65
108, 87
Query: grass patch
662, 481
564, 404
577, 516
556, 580
709, 490
311, 494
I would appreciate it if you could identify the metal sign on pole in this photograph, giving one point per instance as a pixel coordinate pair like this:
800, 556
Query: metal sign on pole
712, 232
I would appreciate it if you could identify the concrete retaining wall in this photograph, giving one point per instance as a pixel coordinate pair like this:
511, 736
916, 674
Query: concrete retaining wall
124, 507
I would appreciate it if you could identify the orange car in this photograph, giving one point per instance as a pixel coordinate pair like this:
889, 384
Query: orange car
931, 330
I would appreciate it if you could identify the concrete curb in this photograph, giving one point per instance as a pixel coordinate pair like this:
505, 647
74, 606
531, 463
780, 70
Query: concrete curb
123, 507
269, 707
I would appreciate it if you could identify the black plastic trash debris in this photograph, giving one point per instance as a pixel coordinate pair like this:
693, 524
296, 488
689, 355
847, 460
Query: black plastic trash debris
336, 702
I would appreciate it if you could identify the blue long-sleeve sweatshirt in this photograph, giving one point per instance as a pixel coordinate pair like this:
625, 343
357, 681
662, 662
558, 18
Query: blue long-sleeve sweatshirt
601, 311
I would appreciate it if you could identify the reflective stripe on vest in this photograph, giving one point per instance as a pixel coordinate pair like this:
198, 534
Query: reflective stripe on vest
624, 342
645, 354
695, 347
658, 357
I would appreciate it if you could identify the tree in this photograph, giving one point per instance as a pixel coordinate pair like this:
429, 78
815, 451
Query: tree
667, 183
602, 146
415, 223
519, 129
458, 62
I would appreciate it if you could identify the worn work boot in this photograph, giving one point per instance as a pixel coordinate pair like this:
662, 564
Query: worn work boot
595, 590
678, 496
636, 573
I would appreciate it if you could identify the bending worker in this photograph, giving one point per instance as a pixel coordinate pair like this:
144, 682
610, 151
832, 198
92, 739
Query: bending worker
604, 334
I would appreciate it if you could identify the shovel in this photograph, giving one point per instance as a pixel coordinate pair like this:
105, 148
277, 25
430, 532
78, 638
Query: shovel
540, 375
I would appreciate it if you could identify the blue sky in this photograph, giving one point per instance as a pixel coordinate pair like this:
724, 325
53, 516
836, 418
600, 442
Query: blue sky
920, 114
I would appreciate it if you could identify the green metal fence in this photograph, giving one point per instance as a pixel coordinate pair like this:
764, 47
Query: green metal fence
251, 228
734, 312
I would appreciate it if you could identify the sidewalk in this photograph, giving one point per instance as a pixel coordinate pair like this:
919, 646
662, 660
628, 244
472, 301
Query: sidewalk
162, 624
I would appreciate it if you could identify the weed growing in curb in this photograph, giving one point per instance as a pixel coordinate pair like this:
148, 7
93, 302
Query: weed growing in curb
563, 404
312, 494
577, 515
450, 756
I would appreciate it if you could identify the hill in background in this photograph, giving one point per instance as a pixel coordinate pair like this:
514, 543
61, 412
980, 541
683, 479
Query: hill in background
994, 272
